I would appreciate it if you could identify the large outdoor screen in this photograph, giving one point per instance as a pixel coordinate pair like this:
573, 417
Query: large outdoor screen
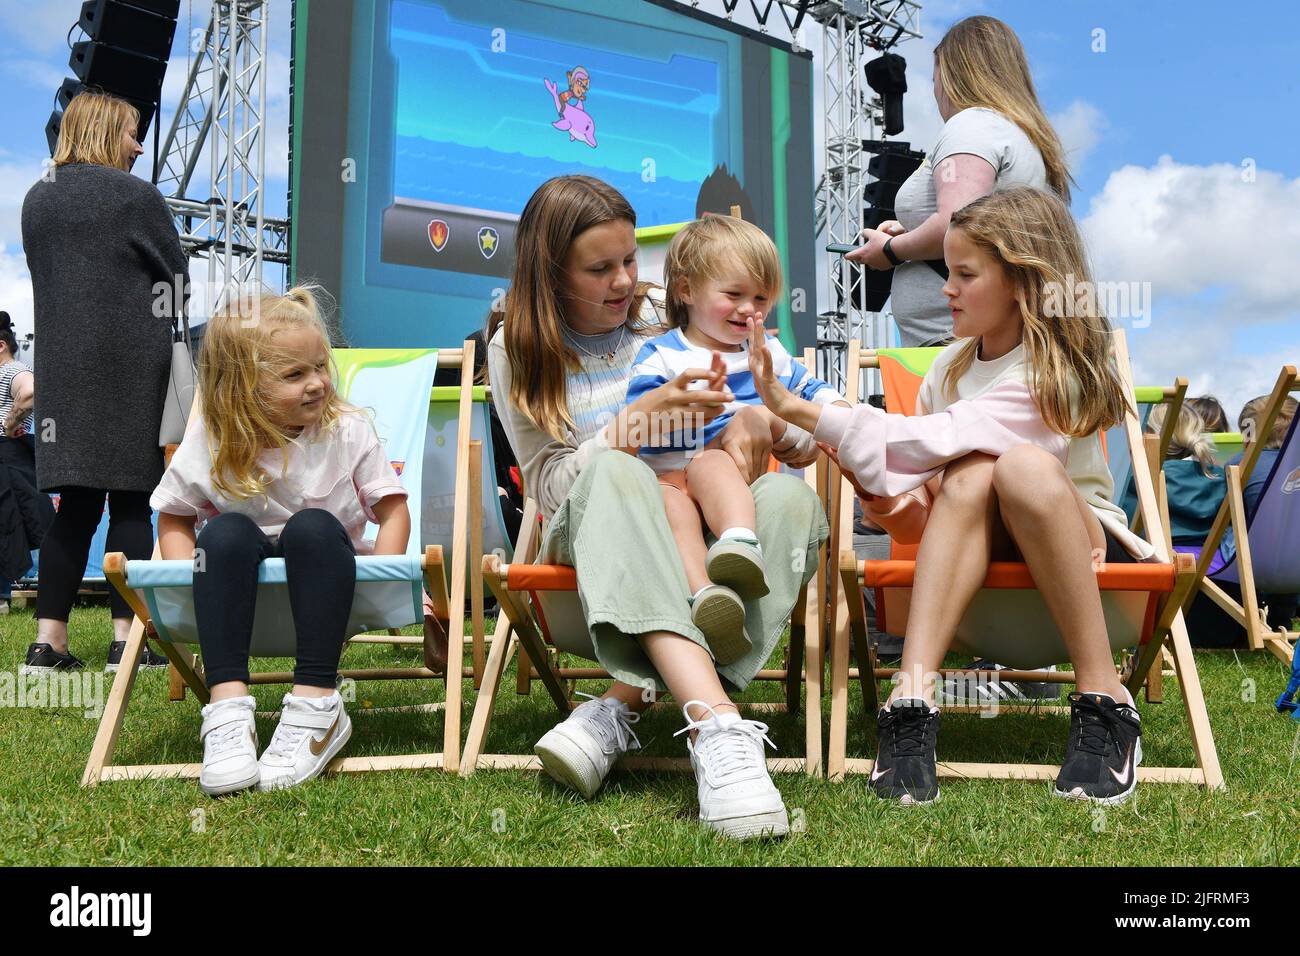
421, 127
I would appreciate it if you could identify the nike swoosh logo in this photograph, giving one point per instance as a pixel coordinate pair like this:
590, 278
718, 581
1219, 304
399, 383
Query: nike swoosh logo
877, 773
1123, 778
318, 745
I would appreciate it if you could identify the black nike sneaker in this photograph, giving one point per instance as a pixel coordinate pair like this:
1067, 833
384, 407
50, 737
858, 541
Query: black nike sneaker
43, 659
149, 660
905, 767
1105, 749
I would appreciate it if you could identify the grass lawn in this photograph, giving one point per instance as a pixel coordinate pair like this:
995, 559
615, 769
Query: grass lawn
429, 817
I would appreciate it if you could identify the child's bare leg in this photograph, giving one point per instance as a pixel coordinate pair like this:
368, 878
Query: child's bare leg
716, 485
226, 690
687, 669
633, 696
951, 564
684, 520
1056, 532
718, 614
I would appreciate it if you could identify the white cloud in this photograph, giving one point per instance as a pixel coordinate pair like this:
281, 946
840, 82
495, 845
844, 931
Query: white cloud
16, 289
1079, 126
1203, 350
1219, 252
15, 179
1187, 229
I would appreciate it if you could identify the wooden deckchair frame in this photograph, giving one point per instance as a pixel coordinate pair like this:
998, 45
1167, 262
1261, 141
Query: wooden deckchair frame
1168, 623
517, 628
1156, 447
448, 605
1281, 642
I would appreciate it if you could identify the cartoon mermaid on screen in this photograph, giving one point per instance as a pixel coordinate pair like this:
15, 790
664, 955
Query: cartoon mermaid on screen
574, 117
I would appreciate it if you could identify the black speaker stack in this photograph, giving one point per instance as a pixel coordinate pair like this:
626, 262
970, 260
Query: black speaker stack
891, 163
125, 53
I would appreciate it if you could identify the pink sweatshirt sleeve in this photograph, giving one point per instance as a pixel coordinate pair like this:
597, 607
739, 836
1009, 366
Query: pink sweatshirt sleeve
892, 454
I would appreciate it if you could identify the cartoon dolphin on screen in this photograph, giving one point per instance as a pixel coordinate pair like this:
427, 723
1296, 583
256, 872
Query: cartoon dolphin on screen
574, 117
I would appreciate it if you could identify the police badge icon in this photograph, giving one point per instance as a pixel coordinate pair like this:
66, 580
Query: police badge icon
487, 241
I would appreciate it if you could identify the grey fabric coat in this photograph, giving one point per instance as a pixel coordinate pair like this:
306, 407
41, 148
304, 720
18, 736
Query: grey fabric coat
97, 239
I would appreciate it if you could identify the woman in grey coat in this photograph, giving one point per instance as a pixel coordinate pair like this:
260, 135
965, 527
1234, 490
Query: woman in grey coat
97, 240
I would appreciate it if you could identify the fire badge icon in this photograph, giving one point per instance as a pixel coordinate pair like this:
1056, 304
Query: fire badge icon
438, 233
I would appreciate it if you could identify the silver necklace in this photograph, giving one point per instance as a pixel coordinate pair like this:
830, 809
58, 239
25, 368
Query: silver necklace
607, 356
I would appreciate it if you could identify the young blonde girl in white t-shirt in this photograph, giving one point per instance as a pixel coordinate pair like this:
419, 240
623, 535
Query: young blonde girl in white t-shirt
277, 465
1002, 462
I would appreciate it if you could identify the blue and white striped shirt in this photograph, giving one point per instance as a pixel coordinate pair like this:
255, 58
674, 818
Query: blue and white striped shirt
666, 356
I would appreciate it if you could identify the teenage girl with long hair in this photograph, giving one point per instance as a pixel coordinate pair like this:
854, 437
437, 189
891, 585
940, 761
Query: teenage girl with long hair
1003, 461
560, 360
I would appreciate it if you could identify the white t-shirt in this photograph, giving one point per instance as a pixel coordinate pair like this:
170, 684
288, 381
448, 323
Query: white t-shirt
343, 470
1085, 461
916, 296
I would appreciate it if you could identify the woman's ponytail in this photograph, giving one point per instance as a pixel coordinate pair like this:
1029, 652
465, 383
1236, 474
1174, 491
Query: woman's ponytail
1189, 440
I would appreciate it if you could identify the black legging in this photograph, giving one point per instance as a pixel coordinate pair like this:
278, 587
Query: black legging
320, 563
66, 546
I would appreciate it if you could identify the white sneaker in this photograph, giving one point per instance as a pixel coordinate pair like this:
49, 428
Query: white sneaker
229, 738
311, 731
580, 751
737, 796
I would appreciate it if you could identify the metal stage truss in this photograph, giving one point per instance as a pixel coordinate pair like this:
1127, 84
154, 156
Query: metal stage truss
223, 107
224, 99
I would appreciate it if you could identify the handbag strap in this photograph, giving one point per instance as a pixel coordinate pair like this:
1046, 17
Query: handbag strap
181, 323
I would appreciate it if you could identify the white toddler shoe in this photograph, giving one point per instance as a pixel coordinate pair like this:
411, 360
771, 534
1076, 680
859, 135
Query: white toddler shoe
229, 738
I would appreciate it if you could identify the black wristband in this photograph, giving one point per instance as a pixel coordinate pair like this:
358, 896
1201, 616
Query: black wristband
889, 252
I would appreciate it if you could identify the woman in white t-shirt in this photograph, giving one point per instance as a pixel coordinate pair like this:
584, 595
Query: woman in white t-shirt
995, 135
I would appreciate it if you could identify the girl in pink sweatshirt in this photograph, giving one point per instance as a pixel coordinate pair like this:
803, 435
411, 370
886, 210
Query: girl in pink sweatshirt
1003, 461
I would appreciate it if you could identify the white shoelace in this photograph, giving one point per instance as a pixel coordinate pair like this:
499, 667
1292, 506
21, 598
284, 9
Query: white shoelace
227, 737
286, 740
611, 722
729, 749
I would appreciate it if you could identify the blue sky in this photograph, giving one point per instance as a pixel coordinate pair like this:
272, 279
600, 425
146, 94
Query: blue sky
1159, 126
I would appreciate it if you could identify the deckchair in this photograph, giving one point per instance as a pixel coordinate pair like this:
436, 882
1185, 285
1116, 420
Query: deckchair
1267, 555
540, 611
388, 593
1156, 447
1226, 445
1141, 602
437, 525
